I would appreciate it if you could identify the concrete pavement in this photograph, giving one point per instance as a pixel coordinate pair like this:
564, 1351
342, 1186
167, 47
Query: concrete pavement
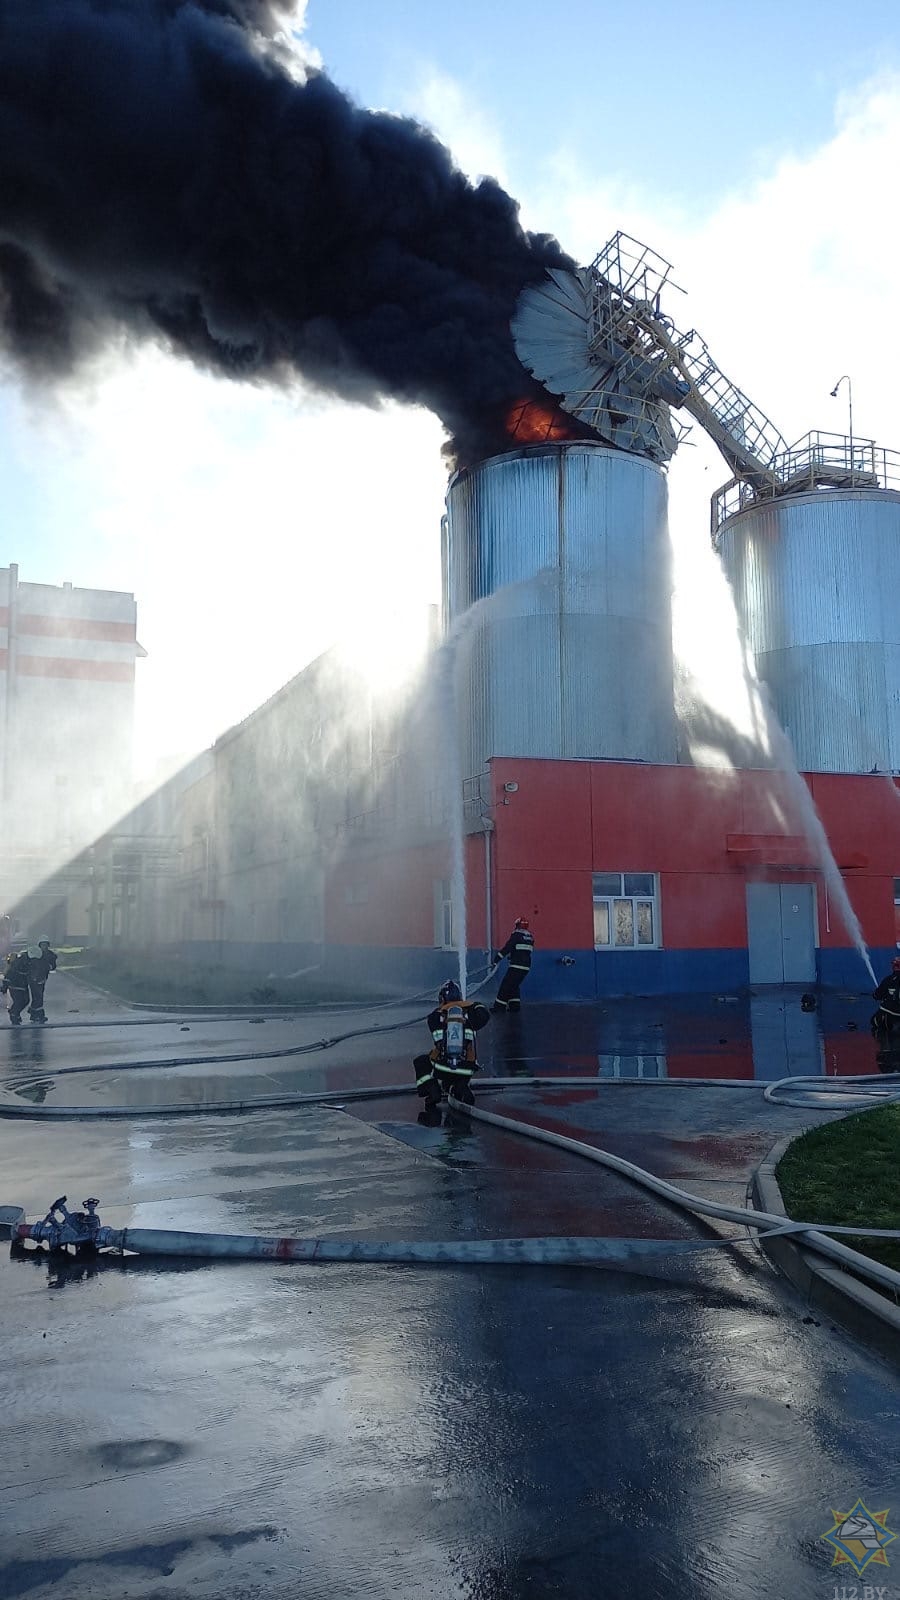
222, 1432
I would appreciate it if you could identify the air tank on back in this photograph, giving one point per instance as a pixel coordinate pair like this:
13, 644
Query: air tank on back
816, 578
557, 589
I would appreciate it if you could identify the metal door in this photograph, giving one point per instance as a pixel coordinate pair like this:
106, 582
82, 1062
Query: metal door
798, 932
781, 932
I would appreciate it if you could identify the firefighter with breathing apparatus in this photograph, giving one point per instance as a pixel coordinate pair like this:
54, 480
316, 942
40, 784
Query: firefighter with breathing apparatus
15, 983
450, 1064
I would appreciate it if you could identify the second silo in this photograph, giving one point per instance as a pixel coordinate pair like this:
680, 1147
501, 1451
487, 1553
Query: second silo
557, 586
816, 578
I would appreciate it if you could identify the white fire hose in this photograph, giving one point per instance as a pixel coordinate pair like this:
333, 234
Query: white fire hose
820, 1094
560, 1251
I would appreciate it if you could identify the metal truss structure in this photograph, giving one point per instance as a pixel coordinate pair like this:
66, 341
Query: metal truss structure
599, 339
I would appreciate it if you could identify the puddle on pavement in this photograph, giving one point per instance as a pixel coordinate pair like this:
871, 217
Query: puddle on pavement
762, 1037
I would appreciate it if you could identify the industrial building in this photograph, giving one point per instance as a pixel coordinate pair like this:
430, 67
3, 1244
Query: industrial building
67, 670
654, 849
226, 861
640, 870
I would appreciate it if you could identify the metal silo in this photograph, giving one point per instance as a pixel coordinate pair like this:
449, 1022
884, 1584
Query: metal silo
557, 586
815, 578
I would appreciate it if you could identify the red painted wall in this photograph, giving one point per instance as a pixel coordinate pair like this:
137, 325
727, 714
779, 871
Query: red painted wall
707, 834
678, 822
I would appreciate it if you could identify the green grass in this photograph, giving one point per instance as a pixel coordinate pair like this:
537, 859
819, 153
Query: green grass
848, 1173
148, 978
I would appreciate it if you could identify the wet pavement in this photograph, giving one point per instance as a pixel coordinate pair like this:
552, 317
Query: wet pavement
148, 1059
234, 1431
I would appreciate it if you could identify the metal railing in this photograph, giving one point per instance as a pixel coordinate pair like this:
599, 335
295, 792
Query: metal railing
818, 461
647, 354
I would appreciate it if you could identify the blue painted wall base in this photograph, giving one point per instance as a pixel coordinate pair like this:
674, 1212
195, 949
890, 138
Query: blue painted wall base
560, 975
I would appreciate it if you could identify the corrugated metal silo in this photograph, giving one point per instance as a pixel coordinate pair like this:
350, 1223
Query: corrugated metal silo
816, 579
569, 653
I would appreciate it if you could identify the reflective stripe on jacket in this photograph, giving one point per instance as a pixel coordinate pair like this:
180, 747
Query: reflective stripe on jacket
519, 948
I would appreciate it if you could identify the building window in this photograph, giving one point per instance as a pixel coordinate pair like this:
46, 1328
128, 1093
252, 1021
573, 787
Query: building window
626, 911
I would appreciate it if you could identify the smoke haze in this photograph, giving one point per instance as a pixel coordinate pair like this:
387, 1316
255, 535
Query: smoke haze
166, 175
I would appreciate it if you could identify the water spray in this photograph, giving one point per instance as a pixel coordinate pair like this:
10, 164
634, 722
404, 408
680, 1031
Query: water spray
782, 753
447, 680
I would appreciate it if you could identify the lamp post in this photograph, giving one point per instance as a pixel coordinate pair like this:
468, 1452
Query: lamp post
845, 379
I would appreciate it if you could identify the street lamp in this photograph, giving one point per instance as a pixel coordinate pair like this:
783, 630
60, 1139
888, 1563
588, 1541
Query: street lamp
845, 379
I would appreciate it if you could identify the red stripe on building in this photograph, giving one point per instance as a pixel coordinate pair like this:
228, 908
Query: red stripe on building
73, 627
65, 667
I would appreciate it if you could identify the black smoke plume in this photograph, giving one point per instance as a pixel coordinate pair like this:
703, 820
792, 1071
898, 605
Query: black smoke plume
166, 174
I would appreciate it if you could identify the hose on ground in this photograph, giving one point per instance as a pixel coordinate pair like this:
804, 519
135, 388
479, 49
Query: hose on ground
257, 1055
310, 1048
573, 1252
163, 1015
818, 1094
815, 1236
13, 1103
546, 1252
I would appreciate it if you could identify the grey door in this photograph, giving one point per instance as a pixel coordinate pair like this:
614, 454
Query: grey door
781, 932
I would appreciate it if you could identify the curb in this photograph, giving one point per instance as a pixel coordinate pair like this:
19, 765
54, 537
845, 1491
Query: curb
223, 1013
871, 1316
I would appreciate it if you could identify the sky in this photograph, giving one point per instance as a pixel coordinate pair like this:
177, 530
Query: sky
756, 147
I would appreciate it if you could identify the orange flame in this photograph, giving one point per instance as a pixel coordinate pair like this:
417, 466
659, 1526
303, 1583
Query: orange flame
538, 422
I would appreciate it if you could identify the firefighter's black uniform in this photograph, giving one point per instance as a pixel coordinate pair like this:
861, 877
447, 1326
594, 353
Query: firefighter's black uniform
16, 977
886, 1020
434, 1075
40, 968
519, 949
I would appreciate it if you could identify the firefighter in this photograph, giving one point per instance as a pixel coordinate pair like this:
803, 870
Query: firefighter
42, 961
519, 949
15, 983
887, 1018
453, 1058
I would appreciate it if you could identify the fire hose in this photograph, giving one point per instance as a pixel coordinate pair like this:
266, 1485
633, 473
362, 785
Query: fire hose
477, 982
818, 1094
558, 1251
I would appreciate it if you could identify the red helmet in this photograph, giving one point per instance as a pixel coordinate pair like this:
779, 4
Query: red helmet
521, 922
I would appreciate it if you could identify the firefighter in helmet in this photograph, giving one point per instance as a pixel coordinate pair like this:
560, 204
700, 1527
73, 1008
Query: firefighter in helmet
452, 1059
42, 961
15, 981
886, 1021
518, 951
